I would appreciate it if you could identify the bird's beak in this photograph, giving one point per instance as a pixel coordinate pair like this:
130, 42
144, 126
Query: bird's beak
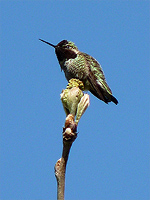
48, 43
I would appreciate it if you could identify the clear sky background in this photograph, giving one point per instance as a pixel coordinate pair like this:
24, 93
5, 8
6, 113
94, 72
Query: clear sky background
110, 158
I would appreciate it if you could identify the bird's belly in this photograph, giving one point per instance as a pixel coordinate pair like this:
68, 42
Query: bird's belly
80, 76
77, 75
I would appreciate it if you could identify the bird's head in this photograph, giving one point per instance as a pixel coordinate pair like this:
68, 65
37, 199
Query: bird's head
64, 49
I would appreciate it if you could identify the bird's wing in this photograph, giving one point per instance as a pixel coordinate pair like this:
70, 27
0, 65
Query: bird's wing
96, 78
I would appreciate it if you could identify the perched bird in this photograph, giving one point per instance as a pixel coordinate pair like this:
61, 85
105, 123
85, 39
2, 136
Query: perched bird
84, 67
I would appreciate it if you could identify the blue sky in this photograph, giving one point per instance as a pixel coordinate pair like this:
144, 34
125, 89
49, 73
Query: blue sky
110, 158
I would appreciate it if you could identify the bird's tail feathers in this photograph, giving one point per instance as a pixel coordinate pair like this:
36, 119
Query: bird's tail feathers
113, 99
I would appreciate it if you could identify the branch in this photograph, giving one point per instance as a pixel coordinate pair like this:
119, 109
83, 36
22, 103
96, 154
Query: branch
75, 102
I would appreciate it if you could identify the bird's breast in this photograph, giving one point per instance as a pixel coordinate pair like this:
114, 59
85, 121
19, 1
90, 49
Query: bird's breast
75, 68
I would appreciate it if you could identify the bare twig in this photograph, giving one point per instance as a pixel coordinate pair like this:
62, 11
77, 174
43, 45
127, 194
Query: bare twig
69, 135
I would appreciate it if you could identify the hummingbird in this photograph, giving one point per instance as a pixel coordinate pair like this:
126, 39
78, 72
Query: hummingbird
84, 67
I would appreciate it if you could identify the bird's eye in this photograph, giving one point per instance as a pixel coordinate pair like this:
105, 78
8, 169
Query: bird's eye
67, 47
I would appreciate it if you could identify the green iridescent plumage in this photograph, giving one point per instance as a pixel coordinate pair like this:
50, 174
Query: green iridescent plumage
84, 67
